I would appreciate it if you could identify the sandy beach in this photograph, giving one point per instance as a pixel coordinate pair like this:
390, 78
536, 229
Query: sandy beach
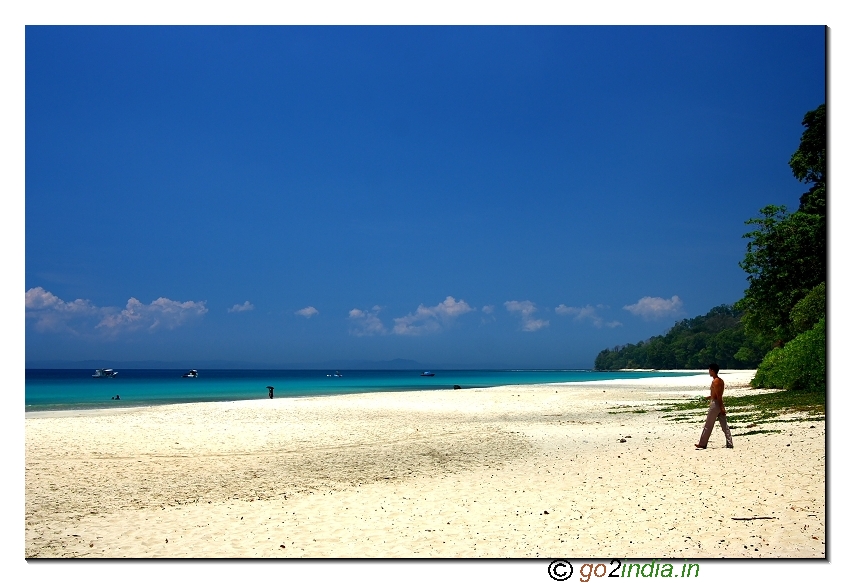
583, 469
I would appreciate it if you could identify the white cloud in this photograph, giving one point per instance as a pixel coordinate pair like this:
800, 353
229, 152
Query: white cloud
651, 308
307, 312
407, 326
246, 307
449, 308
526, 309
564, 310
366, 323
587, 313
161, 312
427, 320
52, 313
488, 316
38, 298
533, 325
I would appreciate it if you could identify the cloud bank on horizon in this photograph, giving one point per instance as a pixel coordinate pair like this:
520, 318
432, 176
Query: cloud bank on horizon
51, 313
427, 320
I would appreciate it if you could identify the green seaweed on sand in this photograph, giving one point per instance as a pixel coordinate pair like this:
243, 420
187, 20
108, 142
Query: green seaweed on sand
762, 407
757, 431
625, 409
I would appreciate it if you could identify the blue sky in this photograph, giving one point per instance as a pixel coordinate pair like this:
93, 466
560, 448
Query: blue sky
464, 196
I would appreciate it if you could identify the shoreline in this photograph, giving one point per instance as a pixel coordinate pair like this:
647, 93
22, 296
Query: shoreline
121, 408
514, 471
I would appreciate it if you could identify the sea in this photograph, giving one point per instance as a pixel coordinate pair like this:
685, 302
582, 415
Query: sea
64, 389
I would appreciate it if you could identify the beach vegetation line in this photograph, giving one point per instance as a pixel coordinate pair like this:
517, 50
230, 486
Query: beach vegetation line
692, 343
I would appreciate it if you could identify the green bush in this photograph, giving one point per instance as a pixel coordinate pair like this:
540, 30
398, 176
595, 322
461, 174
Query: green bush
800, 364
809, 310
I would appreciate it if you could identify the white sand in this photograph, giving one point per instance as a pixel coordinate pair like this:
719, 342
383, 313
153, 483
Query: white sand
521, 471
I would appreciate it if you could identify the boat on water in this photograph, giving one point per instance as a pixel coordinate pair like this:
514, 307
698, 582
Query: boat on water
336, 374
104, 373
427, 373
192, 374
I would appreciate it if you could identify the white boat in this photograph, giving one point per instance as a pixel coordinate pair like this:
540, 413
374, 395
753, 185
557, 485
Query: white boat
104, 373
192, 374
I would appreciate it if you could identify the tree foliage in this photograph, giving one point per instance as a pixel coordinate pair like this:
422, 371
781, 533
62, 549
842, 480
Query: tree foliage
694, 343
786, 253
786, 258
809, 310
800, 364
808, 163
786, 263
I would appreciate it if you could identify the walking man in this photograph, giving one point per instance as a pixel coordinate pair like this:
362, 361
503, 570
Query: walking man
716, 410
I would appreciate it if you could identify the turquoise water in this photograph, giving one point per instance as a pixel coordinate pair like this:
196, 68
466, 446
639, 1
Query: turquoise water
52, 389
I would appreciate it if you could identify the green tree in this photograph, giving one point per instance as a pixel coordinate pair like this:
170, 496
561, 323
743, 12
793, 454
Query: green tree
806, 313
785, 302
809, 161
786, 258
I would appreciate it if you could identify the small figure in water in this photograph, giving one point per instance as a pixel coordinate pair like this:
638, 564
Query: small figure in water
117, 398
271, 392
716, 410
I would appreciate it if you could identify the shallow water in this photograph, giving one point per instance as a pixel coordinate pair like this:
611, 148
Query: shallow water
57, 389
